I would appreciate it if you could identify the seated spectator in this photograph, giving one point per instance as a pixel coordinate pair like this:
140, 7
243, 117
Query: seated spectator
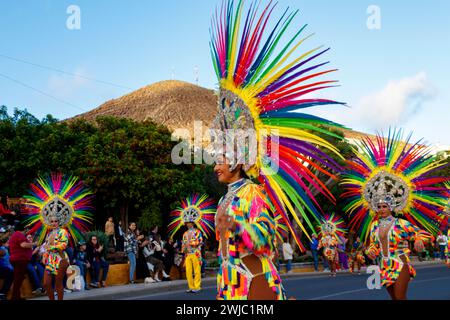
156, 259
6, 269
81, 260
142, 270
153, 233
70, 254
96, 258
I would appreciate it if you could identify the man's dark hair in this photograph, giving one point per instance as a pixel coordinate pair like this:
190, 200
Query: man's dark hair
19, 226
3, 200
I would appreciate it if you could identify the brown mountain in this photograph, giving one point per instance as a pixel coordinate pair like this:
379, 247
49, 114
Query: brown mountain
176, 104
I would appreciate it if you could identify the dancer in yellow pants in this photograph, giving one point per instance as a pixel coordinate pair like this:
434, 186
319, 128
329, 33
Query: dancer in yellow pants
192, 241
197, 214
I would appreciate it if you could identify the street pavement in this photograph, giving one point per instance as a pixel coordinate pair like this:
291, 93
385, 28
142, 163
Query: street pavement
432, 283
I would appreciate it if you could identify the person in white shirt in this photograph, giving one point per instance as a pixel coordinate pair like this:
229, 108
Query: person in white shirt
288, 255
442, 242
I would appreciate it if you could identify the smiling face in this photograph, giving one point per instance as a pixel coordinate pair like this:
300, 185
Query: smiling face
383, 210
54, 223
189, 225
94, 240
223, 173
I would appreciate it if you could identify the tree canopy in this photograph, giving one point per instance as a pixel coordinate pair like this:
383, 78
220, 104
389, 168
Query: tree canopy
127, 164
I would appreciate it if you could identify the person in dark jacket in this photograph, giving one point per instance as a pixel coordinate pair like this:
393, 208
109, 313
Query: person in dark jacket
96, 257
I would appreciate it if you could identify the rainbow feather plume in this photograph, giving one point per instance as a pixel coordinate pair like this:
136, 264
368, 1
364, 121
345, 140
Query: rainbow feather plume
206, 208
281, 229
276, 84
66, 190
412, 163
445, 215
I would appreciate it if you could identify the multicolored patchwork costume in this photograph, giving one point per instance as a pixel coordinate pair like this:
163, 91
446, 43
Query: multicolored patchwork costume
264, 85
391, 262
191, 247
329, 244
448, 248
254, 234
57, 239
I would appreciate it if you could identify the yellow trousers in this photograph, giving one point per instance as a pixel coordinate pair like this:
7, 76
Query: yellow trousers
193, 272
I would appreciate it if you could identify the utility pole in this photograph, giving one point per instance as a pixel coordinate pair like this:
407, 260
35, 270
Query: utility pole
196, 72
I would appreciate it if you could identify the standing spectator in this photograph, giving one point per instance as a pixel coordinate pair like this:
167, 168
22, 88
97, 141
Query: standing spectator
131, 248
20, 255
6, 269
96, 258
35, 269
55, 259
110, 232
120, 237
178, 259
5, 213
315, 252
81, 260
169, 255
204, 261
442, 240
278, 257
357, 254
288, 255
343, 258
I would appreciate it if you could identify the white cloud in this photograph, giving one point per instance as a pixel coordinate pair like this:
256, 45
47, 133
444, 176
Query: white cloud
66, 86
395, 103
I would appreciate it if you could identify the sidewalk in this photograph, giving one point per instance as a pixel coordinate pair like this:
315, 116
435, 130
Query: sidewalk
131, 290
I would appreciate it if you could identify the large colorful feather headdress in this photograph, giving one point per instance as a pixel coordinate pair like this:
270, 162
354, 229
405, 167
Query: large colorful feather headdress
446, 213
263, 86
63, 197
332, 224
398, 173
198, 209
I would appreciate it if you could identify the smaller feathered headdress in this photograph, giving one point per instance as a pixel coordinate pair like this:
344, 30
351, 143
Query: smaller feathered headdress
63, 197
332, 224
198, 209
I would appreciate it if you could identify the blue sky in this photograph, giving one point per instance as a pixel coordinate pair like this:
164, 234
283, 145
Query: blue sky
397, 75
